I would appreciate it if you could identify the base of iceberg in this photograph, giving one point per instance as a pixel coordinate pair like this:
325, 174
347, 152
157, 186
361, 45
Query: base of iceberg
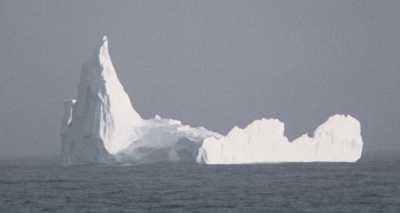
101, 126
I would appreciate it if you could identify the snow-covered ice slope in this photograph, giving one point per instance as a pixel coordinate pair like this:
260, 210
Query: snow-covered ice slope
101, 126
263, 141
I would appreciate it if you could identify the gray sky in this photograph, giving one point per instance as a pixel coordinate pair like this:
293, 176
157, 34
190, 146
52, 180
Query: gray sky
211, 63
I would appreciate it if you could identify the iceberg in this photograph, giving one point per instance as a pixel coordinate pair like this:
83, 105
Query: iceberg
263, 141
101, 126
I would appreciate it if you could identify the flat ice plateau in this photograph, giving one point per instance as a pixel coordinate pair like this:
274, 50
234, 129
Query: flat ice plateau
101, 126
337, 140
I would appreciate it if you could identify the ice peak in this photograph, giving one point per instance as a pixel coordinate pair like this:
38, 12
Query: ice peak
103, 53
102, 118
104, 43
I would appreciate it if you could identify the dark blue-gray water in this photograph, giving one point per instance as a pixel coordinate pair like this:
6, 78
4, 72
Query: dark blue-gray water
40, 186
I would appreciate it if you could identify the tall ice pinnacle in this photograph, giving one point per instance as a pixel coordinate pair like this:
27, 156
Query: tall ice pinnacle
102, 117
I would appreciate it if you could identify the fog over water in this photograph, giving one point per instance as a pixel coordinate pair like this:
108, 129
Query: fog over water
211, 63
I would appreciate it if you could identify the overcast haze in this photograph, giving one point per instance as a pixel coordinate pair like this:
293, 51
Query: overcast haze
211, 63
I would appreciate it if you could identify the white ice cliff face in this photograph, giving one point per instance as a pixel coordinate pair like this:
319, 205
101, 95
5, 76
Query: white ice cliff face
101, 126
263, 141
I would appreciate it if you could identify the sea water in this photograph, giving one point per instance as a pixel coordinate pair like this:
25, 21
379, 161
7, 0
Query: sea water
31, 185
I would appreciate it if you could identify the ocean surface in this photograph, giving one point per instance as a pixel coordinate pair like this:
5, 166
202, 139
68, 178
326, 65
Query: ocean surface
32, 185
